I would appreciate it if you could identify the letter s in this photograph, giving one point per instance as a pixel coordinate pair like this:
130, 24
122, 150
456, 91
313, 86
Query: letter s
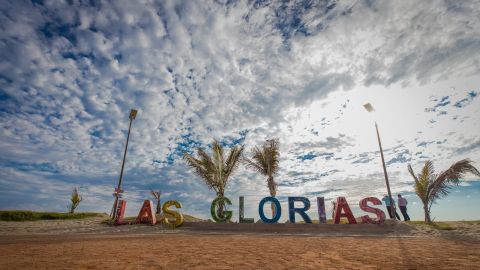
178, 216
379, 213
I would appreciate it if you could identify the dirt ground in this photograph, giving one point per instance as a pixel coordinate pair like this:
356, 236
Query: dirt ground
91, 245
234, 252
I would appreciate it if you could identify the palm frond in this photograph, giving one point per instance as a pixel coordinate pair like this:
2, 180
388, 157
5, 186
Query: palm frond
232, 162
265, 160
210, 170
214, 169
258, 157
202, 167
273, 153
252, 165
422, 181
410, 170
458, 171
453, 175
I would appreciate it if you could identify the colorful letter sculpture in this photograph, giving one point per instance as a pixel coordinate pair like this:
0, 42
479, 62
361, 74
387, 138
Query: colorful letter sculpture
241, 217
178, 217
147, 214
337, 214
379, 213
301, 211
120, 213
278, 210
322, 216
227, 215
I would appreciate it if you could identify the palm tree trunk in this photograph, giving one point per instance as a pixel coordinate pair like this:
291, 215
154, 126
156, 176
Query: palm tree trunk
273, 192
427, 213
274, 209
221, 209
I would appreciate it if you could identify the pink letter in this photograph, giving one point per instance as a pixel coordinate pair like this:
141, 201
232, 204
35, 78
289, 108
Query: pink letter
342, 204
120, 213
379, 213
146, 214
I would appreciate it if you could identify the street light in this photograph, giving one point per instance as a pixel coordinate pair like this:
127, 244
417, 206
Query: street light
118, 190
370, 108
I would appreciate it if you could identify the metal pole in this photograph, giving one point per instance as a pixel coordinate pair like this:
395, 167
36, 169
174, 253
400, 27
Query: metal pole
392, 207
114, 210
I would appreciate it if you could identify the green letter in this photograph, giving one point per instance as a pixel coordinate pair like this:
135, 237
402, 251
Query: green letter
241, 219
221, 201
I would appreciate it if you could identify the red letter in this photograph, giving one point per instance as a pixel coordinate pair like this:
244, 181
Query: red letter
120, 212
379, 213
342, 204
146, 214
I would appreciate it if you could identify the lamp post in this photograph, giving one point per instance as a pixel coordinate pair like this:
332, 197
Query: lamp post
370, 108
118, 190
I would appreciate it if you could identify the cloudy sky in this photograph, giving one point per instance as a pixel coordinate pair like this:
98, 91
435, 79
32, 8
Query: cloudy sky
239, 72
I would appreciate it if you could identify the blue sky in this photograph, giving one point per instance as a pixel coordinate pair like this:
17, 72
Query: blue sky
239, 72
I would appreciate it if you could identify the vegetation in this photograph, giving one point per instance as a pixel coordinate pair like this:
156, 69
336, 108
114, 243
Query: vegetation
24, 215
156, 195
471, 222
215, 170
265, 160
443, 226
430, 186
75, 200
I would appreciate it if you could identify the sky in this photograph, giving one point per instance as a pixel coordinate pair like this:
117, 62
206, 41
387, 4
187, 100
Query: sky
239, 72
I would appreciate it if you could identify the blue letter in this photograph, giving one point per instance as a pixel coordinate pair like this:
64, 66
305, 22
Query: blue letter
301, 211
278, 210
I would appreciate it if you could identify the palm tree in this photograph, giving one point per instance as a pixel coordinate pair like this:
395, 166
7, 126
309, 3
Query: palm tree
215, 170
156, 195
265, 160
430, 186
75, 199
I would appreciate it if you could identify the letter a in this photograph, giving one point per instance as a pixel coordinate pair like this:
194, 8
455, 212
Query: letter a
343, 205
146, 214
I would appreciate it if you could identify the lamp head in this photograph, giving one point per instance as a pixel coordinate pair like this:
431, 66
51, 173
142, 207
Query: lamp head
133, 114
368, 107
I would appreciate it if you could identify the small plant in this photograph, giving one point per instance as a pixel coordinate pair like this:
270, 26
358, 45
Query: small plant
156, 195
430, 186
75, 199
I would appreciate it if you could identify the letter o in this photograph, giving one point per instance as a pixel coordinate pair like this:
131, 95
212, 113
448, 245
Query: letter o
278, 211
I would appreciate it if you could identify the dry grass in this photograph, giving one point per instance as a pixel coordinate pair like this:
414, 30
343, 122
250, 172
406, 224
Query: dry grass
444, 226
24, 215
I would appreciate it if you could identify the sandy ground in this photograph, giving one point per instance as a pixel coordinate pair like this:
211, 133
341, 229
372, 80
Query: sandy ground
88, 244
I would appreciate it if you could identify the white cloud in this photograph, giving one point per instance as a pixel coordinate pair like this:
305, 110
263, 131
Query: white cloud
70, 74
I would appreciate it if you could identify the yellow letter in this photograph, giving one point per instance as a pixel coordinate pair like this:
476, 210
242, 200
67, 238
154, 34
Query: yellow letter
178, 216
